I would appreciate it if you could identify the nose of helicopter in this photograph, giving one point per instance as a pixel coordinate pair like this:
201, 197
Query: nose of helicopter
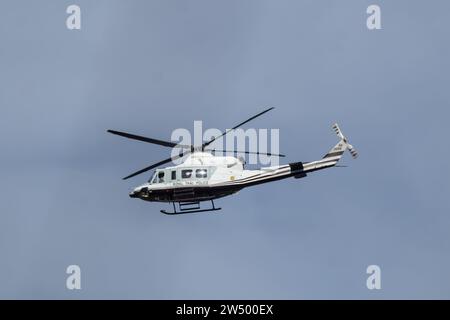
139, 192
134, 194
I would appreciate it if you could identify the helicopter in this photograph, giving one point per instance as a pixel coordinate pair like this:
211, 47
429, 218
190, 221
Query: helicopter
204, 177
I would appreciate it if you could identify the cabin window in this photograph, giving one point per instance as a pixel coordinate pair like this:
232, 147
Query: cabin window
174, 175
161, 176
186, 174
201, 173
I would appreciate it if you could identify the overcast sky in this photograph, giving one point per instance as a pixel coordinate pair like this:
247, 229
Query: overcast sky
153, 66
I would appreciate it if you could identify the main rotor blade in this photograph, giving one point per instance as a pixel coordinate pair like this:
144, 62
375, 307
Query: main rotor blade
157, 165
148, 140
237, 126
251, 152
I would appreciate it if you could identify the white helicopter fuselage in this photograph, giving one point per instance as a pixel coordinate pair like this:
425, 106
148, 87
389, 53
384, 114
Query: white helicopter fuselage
203, 176
193, 179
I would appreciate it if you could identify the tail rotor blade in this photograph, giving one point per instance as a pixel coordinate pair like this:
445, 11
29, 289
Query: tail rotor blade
353, 151
337, 130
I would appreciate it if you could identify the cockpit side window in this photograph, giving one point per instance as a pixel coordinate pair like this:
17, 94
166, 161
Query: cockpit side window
161, 177
201, 173
186, 174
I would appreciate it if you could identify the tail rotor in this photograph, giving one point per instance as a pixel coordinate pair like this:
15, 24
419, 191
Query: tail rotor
350, 148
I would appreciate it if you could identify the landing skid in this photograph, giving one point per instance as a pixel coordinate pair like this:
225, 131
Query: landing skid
189, 207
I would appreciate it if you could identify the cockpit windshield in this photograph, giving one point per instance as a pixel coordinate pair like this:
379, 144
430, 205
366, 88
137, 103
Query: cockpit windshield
153, 178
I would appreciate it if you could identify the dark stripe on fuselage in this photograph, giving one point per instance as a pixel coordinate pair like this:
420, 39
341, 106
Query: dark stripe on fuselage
296, 166
333, 154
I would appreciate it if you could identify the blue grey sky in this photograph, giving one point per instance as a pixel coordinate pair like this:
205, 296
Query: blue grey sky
152, 66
